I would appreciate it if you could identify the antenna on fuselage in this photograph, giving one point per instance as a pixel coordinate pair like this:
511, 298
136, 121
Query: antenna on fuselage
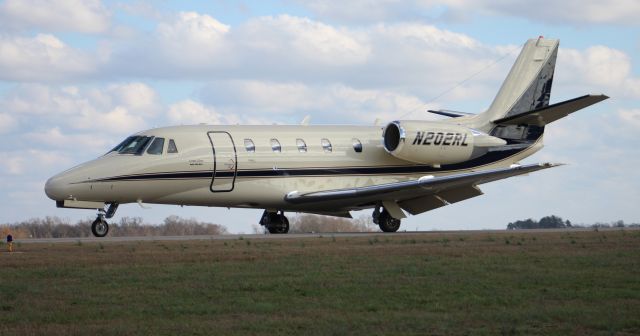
462, 82
305, 121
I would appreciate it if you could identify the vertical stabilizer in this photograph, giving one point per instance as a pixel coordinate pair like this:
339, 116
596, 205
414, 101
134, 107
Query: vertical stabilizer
528, 85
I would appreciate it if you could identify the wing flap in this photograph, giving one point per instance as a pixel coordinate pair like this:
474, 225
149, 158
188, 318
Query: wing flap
551, 113
460, 194
426, 203
406, 190
422, 204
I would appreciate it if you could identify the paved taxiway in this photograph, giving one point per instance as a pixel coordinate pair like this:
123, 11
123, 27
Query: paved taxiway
291, 235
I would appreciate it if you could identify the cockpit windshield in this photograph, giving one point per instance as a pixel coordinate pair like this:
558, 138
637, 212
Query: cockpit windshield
133, 145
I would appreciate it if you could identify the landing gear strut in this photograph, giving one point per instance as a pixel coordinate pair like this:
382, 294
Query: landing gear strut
386, 222
275, 222
100, 227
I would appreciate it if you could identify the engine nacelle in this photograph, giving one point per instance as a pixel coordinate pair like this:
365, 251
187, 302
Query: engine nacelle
436, 143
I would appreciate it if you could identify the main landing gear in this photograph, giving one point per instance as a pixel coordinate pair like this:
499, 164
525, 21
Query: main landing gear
275, 222
100, 227
386, 222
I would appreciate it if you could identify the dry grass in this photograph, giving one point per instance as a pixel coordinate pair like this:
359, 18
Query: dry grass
513, 283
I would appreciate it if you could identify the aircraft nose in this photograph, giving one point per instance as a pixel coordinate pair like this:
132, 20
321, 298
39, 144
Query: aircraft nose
56, 188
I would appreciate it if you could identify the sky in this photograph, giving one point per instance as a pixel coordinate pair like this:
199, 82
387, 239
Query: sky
77, 77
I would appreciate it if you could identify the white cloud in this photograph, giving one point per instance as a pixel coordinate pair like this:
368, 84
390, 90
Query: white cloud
411, 57
189, 112
333, 103
12, 165
197, 45
31, 160
561, 12
630, 117
43, 57
137, 96
56, 138
118, 120
190, 38
7, 122
118, 109
292, 38
599, 69
84, 16
363, 10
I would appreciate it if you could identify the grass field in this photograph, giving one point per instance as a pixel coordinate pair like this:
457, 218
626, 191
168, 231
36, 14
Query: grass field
564, 283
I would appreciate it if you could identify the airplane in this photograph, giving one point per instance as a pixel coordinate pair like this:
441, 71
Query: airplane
407, 166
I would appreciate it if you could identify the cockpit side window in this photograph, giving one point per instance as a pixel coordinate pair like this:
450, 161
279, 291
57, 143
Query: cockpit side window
134, 145
122, 144
156, 146
172, 149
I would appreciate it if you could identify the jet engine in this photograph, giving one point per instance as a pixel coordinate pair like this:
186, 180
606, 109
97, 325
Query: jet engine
435, 143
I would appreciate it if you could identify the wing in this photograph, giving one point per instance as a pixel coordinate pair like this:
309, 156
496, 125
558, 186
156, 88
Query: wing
415, 196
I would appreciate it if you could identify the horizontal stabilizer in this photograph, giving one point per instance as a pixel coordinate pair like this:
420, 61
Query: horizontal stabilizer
551, 113
449, 113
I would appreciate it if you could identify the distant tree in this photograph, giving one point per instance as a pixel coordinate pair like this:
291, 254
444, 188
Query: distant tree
316, 223
523, 224
551, 222
600, 225
548, 222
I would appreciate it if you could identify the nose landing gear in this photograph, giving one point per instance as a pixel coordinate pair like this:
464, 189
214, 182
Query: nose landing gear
276, 223
100, 227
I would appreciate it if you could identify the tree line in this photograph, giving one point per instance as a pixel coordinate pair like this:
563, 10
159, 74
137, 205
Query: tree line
556, 222
55, 227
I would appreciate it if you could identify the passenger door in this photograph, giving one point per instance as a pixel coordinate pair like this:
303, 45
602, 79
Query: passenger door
225, 160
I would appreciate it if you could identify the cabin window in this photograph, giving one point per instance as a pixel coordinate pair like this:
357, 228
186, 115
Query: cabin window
326, 145
357, 145
275, 146
156, 146
249, 145
302, 146
172, 149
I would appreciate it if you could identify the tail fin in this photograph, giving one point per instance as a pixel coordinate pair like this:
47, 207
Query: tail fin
528, 85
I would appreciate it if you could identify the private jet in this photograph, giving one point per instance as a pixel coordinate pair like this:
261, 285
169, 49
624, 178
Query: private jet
403, 167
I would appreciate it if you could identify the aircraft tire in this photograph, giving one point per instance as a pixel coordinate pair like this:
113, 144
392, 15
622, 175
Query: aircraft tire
388, 223
99, 227
278, 224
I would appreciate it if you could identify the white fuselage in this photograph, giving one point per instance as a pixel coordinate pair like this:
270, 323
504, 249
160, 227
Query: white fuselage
215, 166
